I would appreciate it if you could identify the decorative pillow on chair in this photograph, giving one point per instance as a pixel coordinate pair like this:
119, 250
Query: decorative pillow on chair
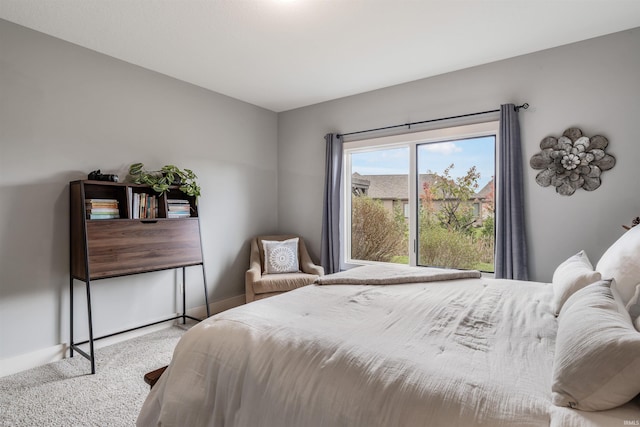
281, 256
621, 262
573, 274
597, 360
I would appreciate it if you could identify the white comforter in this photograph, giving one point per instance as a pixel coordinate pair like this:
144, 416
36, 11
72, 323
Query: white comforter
453, 353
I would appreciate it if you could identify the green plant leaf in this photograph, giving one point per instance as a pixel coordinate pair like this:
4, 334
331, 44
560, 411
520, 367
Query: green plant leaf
161, 180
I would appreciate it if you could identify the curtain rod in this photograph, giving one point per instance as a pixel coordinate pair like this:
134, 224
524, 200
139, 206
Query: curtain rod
517, 108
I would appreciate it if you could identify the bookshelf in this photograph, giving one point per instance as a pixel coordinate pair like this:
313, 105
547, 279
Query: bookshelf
119, 229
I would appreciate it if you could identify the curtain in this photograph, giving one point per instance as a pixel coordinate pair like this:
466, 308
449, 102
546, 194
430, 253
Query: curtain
330, 243
511, 244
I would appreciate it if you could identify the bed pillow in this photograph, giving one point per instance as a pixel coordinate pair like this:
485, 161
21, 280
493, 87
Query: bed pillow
633, 307
597, 359
622, 262
281, 256
573, 274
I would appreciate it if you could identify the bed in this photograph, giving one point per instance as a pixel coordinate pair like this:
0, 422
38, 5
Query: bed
431, 351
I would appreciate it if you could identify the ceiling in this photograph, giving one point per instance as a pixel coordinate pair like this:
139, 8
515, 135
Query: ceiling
285, 54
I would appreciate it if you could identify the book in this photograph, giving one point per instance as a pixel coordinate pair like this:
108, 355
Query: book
102, 216
130, 200
178, 215
102, 209
101, 201
102, 205
135, 214
178, 208
145, 206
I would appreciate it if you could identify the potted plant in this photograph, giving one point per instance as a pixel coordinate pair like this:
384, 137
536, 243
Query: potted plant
168, 175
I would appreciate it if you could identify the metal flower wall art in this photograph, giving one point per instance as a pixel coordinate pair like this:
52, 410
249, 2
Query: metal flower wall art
572, 161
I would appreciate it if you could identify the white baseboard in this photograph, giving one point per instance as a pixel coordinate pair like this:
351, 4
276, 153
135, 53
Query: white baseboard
31, 360
43, 356
216, 307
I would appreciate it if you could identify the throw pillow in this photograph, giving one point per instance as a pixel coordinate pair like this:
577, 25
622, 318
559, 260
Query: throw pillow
633, 307
597, 359
281, 256
573, 274
620, 262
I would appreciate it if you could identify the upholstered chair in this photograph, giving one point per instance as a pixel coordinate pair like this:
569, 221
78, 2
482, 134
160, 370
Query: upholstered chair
260, 282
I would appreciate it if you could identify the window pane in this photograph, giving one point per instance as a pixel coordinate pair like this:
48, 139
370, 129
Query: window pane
379, 193
456, 203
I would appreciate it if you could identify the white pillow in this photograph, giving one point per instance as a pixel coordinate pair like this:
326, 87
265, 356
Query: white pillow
281, 256
633, 307
573, 274
622, 262
597, 359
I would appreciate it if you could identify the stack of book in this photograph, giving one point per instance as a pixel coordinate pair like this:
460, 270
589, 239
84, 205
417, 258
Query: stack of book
144, 206
102, 209
178, 208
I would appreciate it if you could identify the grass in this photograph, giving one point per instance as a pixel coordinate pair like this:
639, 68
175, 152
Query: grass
400, 259
484, 266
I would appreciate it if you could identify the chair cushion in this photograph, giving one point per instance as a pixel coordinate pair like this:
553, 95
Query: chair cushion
282, 282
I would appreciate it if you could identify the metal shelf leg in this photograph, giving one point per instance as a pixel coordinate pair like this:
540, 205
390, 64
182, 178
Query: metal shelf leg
91, 349
206, 297
71, 316
184, 295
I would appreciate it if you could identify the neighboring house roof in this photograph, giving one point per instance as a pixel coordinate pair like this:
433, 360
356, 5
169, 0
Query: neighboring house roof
388, 186
486, 190
396, 187
358, 181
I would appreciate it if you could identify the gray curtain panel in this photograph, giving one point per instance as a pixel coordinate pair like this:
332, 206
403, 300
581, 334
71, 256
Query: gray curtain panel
511, 242
330, 244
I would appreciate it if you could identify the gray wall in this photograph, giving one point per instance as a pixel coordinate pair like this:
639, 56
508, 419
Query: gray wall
593, 85
65, 111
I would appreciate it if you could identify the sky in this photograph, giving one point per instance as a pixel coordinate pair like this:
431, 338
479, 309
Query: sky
433, 157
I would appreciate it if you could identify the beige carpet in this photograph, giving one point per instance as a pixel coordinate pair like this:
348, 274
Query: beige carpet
64, 393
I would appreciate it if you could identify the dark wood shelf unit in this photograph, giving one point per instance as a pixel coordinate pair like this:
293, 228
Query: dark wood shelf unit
105, 248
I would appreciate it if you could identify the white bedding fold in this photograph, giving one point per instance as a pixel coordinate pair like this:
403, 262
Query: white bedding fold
393, 274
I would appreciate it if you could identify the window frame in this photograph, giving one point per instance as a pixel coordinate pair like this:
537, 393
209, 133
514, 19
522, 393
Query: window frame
412, 141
